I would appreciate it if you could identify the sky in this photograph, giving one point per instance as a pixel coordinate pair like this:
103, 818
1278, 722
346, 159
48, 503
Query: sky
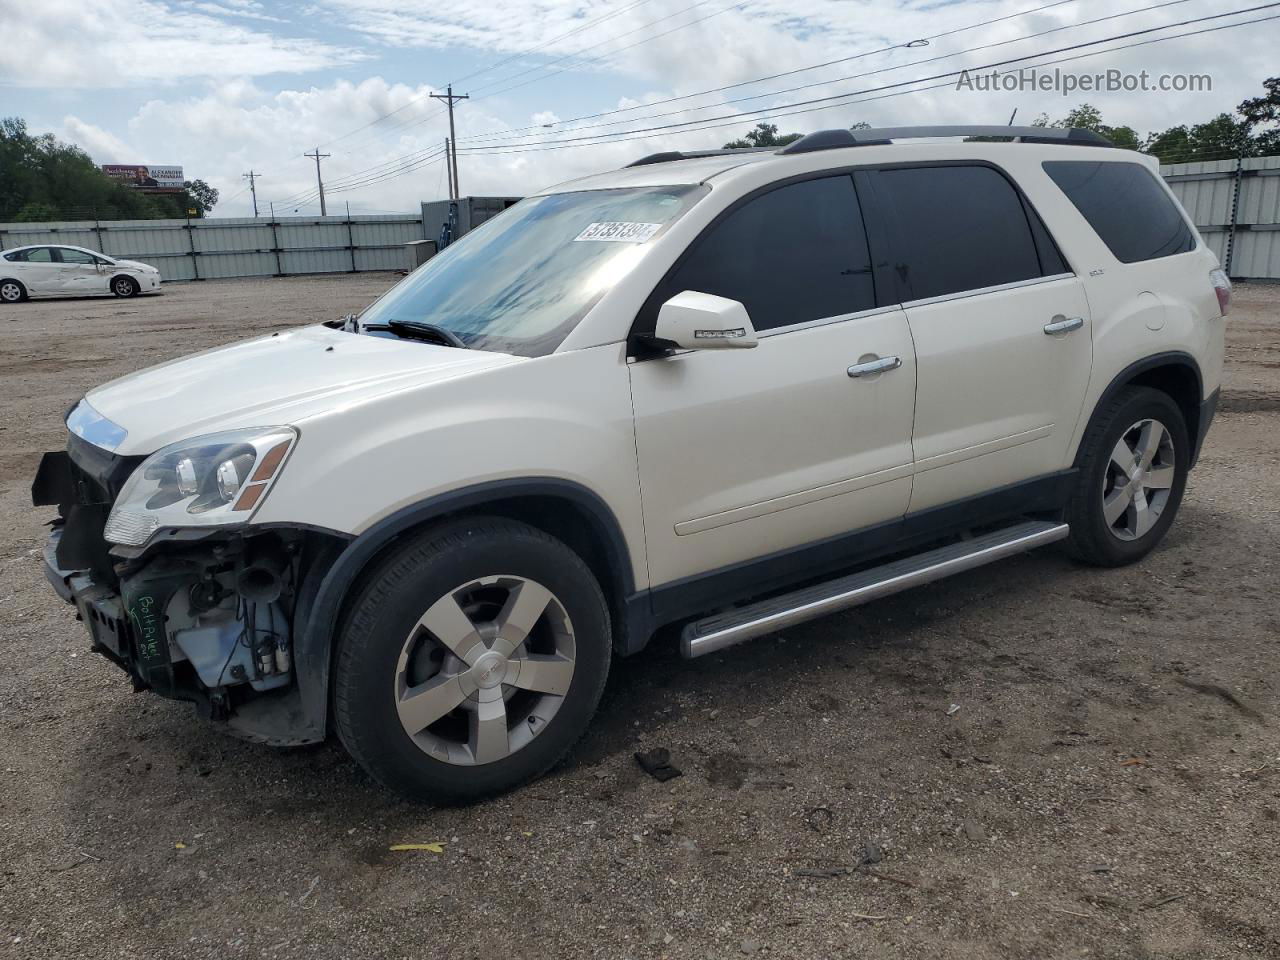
222, 87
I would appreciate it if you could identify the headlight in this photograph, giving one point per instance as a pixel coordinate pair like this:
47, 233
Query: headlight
202, 482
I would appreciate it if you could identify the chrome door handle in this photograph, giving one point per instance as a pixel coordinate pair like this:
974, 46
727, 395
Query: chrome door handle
875, 366
1062, 324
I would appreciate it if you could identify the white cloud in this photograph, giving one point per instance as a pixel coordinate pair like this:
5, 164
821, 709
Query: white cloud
102, 145
121, 43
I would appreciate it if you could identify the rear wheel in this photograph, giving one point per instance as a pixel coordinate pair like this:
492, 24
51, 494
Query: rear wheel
1132, 476
11, 291
124, 287
471, 661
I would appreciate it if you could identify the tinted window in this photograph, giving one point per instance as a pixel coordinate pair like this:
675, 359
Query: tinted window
795, 254
76, 256
40, 255
1125, 205
956, 228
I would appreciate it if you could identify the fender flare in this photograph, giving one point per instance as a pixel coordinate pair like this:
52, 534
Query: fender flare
323, 593
1176, 358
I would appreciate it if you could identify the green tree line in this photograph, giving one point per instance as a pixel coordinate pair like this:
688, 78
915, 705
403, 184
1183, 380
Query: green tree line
1248, 132
42, 178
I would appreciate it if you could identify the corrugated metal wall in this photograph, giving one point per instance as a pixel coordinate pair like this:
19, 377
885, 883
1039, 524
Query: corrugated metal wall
203, 249
1236, 210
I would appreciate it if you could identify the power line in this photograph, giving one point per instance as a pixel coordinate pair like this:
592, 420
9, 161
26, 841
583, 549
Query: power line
253, 189
830, 100
869, 73
920, 41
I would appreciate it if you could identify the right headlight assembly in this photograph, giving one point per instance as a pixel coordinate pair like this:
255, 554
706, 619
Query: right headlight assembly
202, 482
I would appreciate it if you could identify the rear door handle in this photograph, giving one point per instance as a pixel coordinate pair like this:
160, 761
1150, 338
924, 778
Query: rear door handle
875, 366
1061, 324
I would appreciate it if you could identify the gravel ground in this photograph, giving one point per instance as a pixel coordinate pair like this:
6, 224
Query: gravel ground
1109, 785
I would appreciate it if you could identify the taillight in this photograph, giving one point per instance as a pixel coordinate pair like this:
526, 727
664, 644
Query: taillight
1222, 287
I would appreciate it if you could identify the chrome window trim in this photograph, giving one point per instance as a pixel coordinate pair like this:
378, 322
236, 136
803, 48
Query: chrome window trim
827, 321
980, 291
92, 427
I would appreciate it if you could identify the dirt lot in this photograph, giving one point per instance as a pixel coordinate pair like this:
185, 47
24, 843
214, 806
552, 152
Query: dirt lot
1108, 787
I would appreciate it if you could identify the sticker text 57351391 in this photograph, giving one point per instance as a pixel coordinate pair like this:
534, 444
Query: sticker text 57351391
619, 231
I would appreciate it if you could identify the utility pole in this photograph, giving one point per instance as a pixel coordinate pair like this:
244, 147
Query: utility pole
318, 156
253, 189
448, 169
449, 97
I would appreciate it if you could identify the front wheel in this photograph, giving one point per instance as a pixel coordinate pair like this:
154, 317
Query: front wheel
1136, 456
124, 287
471, 660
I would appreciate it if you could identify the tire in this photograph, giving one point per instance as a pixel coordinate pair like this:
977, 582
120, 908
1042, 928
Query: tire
1115, 521
12, 291
124, 286
401, 634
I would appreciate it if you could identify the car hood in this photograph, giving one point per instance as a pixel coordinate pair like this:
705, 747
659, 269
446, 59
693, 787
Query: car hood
275, 380
135, 265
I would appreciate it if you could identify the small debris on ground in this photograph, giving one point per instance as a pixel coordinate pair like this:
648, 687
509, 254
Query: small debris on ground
423, 847
755, 722
657, 763
975, 831
953, 709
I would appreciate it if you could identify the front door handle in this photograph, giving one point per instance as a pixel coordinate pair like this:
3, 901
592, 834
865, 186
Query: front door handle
875, 366
1061, 324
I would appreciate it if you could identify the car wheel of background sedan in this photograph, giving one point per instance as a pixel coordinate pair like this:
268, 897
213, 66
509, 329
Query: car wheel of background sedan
11, 291
471, 660
124, 287
1131, 479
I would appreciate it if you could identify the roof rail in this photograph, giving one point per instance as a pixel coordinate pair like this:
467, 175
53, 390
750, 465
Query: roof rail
875, 136
670, 155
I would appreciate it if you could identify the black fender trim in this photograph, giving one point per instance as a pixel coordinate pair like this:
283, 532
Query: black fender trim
1177, 358
325, 591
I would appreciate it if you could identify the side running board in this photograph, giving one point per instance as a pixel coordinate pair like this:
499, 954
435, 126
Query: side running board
725, 629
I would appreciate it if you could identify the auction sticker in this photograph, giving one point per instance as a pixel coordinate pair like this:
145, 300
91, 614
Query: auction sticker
619, 231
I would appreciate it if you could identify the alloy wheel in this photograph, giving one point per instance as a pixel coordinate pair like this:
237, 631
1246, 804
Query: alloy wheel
10, 292
124, 287
484, 670
1138, 479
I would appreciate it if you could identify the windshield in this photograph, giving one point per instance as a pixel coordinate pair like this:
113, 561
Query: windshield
520, 282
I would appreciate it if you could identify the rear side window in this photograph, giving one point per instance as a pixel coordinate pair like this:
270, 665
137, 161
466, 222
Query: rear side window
792, 255
958, 228
1126, 207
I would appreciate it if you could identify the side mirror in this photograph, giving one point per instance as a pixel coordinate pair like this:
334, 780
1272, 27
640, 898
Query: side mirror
702, 321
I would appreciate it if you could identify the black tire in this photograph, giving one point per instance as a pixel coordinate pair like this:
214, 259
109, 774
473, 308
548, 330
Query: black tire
124, 286
8, 286
1093, 539
382, 616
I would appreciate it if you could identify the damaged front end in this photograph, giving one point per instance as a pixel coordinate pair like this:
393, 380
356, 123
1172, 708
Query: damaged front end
205, 615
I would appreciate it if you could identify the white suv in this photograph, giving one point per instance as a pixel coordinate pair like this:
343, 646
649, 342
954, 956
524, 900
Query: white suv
734, 390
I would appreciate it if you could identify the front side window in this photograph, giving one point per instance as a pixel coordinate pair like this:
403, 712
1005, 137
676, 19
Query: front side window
1126, 207
39, 255
956, 228
523, 280
795, 254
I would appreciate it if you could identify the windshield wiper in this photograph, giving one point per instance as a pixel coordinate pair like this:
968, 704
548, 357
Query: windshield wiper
419, 330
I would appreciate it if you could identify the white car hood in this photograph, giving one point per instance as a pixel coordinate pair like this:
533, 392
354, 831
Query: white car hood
273, 381
135, 265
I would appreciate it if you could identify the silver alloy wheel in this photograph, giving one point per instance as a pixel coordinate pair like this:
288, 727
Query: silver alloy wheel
484, 670
10, 292
124, 287
1138, 480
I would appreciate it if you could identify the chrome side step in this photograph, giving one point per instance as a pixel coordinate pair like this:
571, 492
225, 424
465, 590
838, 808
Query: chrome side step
725, 629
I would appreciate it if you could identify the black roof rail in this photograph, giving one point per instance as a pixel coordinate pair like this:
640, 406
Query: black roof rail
669, 155
876, 136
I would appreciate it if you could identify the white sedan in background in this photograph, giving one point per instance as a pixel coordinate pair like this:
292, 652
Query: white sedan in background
45, 270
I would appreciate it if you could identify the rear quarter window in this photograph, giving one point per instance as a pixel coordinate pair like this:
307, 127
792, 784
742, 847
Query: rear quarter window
1126, 207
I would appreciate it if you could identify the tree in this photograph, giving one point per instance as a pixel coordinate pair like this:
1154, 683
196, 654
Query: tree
1264, 109
1088, 117
764, 135
202, 196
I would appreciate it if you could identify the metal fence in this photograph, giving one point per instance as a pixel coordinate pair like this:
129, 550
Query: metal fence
1235, 204
249, 247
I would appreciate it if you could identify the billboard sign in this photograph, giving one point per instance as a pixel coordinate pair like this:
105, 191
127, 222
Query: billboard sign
145, 175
